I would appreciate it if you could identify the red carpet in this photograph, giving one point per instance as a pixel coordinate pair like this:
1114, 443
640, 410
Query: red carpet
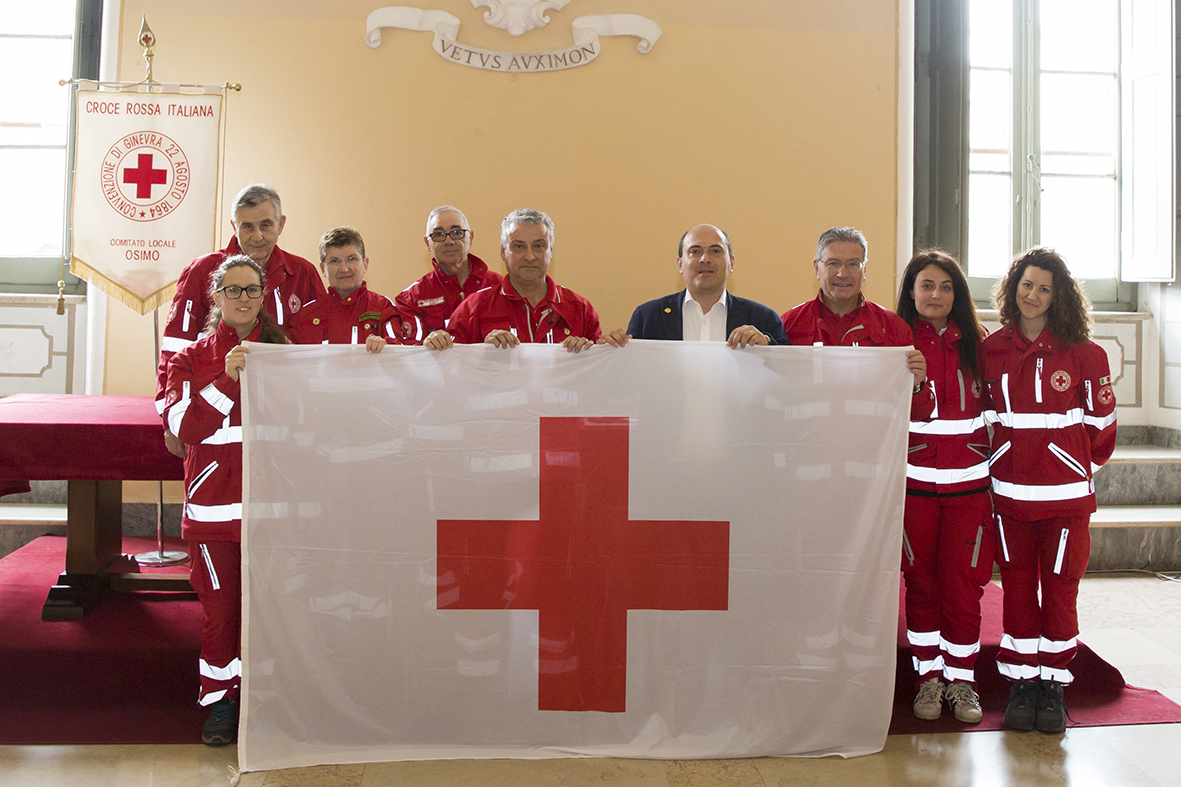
1097, 698
126, 673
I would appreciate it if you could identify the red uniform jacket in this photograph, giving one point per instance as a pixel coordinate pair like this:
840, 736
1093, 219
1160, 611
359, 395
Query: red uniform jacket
1053, 416
868, 324
203, 410
948, 452
560, 313
291, 282
335, 320
425, 305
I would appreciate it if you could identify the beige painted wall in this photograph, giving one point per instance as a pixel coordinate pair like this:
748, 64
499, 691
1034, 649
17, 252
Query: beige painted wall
774, 119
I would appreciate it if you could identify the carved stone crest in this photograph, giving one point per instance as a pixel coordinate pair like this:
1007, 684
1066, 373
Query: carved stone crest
518, 16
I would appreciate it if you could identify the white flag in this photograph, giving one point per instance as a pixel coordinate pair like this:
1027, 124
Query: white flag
145, 190
670, 550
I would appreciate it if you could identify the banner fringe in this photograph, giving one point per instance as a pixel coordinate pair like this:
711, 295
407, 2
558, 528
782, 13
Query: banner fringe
116, 291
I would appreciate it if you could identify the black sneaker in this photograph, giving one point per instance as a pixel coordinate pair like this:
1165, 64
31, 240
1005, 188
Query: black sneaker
222, 725
1051, 710
1020, 707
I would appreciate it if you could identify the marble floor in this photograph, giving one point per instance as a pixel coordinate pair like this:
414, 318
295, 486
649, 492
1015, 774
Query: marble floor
1133, 621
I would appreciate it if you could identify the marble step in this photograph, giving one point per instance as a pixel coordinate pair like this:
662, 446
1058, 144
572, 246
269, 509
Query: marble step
32, 515
1144, 454
1137, 516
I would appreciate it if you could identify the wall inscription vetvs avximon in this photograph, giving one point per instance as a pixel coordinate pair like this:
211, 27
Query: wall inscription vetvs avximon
517, 17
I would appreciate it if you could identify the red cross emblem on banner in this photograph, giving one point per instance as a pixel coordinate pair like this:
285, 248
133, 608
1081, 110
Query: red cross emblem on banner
583, 564
144, 176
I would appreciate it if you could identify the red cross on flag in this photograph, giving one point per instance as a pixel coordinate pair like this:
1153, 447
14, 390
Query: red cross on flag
665, 550
145, 190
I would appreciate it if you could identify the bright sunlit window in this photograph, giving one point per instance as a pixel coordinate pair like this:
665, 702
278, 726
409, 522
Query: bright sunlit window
1044, 133
36, 50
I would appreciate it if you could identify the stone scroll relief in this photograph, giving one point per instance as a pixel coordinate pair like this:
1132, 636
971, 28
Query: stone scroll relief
516, 17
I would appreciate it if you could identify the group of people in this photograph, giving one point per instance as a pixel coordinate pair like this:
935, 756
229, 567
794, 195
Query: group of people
1006, 430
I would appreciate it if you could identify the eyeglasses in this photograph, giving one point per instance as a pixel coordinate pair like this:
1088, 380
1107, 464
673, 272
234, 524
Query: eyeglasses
234, 292
438, 236
832, 266
352, 259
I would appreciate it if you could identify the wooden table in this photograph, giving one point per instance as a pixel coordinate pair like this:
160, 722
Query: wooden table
95, 443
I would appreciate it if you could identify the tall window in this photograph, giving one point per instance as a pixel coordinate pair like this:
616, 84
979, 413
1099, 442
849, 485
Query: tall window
1043, 133
41, 43
1047, 122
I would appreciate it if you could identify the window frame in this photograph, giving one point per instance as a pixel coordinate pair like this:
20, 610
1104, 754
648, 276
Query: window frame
942, 73
41, 274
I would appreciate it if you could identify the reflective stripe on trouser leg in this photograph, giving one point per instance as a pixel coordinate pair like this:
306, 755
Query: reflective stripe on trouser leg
216, 575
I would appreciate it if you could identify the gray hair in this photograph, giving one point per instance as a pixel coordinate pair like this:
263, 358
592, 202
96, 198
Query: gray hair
254, 195
837, 234
443, 209
525, 217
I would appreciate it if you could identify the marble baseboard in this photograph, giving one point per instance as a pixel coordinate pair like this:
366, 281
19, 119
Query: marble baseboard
49, 493
139, 519
1140, 484
1156, 548
1148, 435
13, 537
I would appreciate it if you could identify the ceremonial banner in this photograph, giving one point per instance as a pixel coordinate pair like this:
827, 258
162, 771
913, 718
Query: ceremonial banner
669, 550
145, 190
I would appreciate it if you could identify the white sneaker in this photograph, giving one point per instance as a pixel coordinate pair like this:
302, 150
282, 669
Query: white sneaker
964, 702
928, 702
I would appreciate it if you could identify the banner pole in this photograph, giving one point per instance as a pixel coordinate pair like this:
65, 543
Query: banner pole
160, 557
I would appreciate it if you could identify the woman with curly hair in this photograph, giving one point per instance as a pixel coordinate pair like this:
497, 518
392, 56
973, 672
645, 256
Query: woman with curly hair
1053, 414
948, 531
202, 408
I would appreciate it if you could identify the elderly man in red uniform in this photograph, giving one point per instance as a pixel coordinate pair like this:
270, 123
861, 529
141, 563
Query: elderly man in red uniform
350, 313
527, 306
426, 305
291, 281
840, 315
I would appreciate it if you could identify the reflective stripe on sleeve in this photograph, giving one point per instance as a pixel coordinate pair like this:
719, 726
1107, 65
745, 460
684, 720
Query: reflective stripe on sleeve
228, 672
1099, 423
224, 436
278, 306
219, 401
174, 344
223, 513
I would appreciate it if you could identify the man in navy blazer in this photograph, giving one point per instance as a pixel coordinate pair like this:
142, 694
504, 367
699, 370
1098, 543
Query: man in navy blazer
704, 310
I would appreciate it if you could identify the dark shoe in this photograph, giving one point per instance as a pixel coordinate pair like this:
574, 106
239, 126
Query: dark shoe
1051, 710
1020, 707
222, 725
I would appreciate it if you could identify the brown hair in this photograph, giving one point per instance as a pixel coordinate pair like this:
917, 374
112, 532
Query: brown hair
963, 311
338, 237
1067, 318
270, 333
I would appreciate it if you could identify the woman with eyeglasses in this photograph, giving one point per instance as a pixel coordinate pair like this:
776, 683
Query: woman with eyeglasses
1053, 414
202, 409
948, 533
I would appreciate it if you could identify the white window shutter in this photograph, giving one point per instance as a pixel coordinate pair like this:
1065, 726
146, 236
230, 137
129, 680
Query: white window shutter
1147, 117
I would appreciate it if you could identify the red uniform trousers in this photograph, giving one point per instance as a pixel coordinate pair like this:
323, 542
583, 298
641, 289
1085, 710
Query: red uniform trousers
1041, 640
946, 562
216, 575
